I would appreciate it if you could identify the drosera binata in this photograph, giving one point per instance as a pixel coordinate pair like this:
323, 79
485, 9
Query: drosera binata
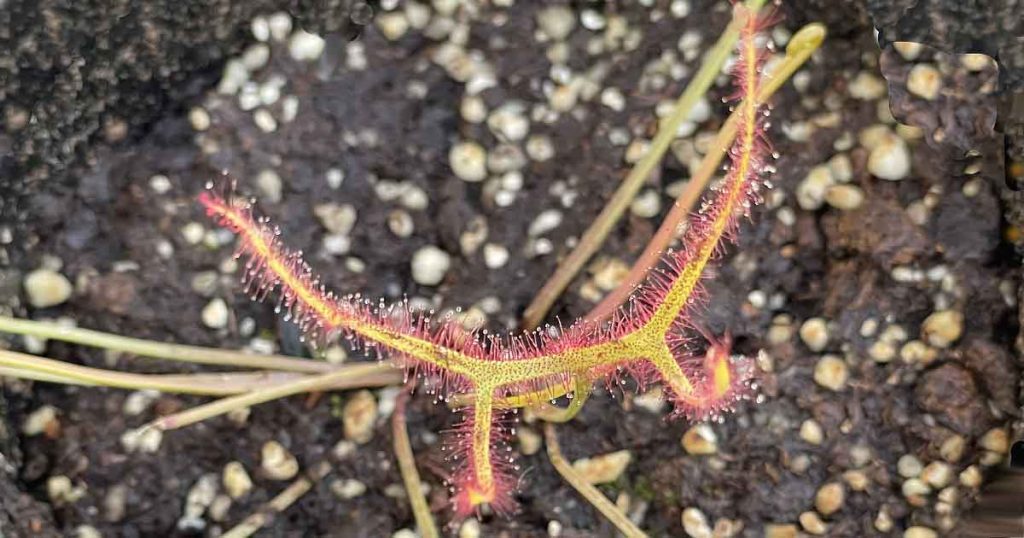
650, 338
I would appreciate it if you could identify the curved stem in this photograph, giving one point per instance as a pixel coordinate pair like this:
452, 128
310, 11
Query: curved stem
338, 379
407, 466
586, 489
616, 206
581, 392
20, 365
161, 350
807, 40
256, 521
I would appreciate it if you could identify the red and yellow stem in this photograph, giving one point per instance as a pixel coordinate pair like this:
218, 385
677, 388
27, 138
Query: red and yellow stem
527, 369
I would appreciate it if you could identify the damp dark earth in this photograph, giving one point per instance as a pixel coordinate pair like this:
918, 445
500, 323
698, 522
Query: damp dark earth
451, 155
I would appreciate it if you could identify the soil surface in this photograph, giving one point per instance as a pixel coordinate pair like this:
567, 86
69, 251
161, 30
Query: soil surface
905, 284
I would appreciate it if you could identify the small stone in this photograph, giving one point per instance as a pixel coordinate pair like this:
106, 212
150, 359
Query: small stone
405, 533
508, 122
199, 497
909, 50
305, 47
867, 87
875, 135
593, 20
215, 314
612, 98
695, 523
564, 97
604, 468
856, 479
233, 77
205, 283
473, 109
841, 167
270, 185
916, 351
145, 439
924, 81
470, 528
883, 521
348, 488
495, 255
976, 62
393, 25
359, 417
829, 498
529, 441
193, 233
218, 510
255, 58
505, 158
236, 480
343, 449
646, 205
844, 197
995, 440
952, 449
334, 177
556, 22
810, 431
915, 490
46, 288
400, 223
971, 476
160, 184
61, 491
652, 401
199, 118
540, 148
429, 265
609, 273
882, 351
812, 523
39, 421
264, 120
137, 402
908, 466
942, 328
918, 531
814, 333
468, 161
547, 220
474, 236
890, 160
279, 25
87, 531
636, 150
860, 455
700, 440
240, 416
336, 218
277, 463
727, 528
937, 474
680, 8
831, 372
775, 530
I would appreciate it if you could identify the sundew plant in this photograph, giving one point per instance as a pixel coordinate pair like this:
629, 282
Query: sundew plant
654, 338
